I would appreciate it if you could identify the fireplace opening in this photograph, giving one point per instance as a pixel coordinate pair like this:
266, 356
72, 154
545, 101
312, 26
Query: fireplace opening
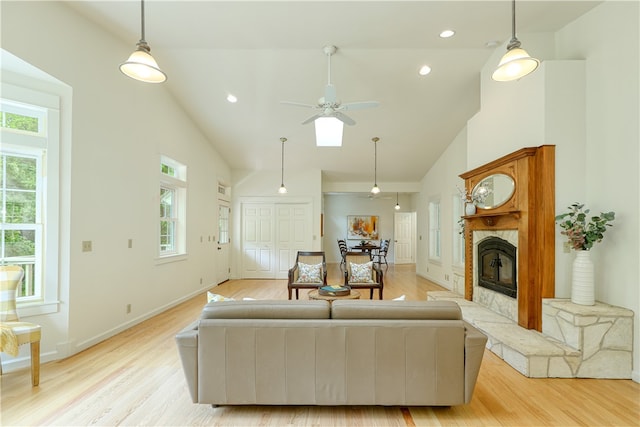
497, 266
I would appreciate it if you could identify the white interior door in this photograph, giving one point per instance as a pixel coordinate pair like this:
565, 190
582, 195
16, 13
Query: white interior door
293, 234
223, 257
258, 241
404, 237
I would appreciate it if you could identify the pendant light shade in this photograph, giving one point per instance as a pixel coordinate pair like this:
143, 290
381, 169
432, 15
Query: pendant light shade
516, 63
375, 189
282, 189
141, 65
397, 207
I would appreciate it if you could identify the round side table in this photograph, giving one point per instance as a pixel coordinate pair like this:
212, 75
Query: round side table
316, 295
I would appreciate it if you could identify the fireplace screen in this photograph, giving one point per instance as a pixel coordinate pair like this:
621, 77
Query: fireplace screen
497, 266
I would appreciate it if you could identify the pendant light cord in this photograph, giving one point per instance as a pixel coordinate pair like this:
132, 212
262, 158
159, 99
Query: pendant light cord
282, 162
142, 19
375, 162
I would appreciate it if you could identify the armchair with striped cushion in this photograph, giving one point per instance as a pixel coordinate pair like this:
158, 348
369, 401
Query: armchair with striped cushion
14, 332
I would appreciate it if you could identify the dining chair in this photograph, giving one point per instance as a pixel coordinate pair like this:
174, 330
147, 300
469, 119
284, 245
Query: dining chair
381, 254
14, 332
342, 246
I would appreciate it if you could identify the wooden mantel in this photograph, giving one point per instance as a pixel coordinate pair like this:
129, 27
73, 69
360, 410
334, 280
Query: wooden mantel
530, 211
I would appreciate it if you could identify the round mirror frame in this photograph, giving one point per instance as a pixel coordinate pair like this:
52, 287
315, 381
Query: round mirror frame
500, 189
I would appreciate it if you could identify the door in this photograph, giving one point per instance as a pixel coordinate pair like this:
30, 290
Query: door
403, 224
258, 241
293, 234
223, 242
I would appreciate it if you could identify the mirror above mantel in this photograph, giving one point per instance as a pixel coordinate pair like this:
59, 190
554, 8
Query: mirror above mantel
493, 191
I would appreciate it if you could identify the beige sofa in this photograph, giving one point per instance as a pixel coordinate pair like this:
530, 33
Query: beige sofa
353, 352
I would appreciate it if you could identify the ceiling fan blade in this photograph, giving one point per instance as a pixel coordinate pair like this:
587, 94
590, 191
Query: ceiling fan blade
344, 118
298, 104
312, 118
359, 105
329, 94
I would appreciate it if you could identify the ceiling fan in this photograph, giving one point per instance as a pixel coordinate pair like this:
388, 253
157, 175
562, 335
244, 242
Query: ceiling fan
329, 105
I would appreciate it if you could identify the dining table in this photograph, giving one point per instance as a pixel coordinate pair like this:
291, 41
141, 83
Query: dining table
367, 247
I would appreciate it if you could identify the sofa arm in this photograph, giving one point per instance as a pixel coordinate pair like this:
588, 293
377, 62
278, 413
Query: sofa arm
474, 345
187, 341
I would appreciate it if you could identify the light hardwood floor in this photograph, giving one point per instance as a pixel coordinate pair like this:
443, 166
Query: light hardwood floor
135, 378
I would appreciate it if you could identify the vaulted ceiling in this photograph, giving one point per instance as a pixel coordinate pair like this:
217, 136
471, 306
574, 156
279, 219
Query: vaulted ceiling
265, 52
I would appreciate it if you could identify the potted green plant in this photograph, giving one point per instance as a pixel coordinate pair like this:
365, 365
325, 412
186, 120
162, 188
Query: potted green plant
583, 231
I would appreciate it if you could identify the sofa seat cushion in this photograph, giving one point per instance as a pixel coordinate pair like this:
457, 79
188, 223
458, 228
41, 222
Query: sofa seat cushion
409, 310
267, 309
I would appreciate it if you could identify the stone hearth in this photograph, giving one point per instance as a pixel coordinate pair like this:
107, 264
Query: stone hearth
576, 341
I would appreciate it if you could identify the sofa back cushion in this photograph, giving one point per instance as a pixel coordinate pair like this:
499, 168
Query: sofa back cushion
398, 310
267, 309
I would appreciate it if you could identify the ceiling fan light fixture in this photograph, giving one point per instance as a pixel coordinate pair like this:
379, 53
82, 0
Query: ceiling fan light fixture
141, 65
328, 132
516, 63
447, 33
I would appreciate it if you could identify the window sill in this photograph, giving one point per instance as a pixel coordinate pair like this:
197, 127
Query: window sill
170, 258
37, 308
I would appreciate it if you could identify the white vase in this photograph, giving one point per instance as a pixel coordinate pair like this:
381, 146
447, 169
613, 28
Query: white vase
470, 209
582, 285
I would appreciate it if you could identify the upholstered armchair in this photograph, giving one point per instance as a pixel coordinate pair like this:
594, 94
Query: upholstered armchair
14, 332
309, 272
362, 273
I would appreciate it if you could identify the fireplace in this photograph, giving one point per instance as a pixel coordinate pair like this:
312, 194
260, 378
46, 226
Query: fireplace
497, 266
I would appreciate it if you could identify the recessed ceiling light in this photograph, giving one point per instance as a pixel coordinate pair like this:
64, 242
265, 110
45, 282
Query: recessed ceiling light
424, 70
447, 33
232, 98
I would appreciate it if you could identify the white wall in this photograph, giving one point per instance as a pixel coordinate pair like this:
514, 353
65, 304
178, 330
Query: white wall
441, 182
596, 136
119, 128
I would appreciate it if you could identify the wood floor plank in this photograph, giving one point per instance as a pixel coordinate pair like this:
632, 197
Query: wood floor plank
135, 378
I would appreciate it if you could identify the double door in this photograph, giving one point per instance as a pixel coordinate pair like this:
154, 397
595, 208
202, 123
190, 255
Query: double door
272, 234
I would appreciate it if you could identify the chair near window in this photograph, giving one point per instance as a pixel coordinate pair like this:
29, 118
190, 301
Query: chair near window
14, 332
362, 273
309, 272
381, 254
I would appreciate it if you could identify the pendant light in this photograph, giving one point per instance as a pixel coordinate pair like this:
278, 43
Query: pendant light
282, 189
141, 65
375, 189
397, 207
516, 63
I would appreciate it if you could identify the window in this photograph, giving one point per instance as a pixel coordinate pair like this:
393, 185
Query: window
434, 230
458, 231
223, 224
29, 198
173, 194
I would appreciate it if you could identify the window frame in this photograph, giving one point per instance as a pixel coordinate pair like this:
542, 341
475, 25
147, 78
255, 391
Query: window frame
458, 247
435, 229
176, 182
44, 145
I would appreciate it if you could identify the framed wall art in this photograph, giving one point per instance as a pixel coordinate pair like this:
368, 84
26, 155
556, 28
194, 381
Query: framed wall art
362, 227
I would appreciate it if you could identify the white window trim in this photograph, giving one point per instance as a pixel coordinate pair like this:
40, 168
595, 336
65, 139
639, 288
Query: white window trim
49, 299
179, 184
458, 247
437, 244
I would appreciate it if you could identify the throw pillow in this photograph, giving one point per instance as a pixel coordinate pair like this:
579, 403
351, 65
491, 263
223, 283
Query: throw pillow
309, 273
211, 297
361, 273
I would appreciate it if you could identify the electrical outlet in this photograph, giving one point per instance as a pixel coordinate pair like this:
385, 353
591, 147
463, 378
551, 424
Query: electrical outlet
130, 243
86, 246
128, 308
201, 280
